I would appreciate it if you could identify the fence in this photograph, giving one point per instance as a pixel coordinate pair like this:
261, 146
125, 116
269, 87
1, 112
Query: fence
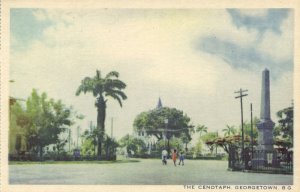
275, 161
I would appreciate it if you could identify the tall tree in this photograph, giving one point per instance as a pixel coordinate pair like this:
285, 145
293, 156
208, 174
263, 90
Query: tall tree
247, 128
163, 123
209, 140
201, 129
89, 138
102, 88
185, 138
286, 124
44, 119
137, 145
154, 123
229, 130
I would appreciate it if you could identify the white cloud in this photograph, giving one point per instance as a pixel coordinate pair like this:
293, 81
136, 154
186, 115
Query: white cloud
279, 46
253, 12
155, 55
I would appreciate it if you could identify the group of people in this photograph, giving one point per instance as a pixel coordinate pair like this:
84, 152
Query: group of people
173, 156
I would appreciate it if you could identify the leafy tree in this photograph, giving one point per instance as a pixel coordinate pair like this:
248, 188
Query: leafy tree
185, 139
247, 128
138, 146
16, 132
110, 146
103, 88
44, 119
201, 129
209, 140
285, 129
229, 130
153, 122
89, 142
176, 143
88, 148
197, 149
232, 136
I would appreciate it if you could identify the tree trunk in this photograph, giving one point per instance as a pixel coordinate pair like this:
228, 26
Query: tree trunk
168, 146
186, 149
41, 152
101, 108
99, 148
107, 150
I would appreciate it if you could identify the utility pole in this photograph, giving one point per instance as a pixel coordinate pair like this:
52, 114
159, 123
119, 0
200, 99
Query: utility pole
112, 125
251, 130
91, 126
217, 134
241, 95
77, 135
69, 140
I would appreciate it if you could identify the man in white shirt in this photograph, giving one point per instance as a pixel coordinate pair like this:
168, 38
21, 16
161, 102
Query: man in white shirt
164, 155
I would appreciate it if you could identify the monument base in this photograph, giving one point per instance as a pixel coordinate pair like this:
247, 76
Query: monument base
264, 159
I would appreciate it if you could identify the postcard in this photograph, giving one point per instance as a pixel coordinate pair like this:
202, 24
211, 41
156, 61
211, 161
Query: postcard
162, 95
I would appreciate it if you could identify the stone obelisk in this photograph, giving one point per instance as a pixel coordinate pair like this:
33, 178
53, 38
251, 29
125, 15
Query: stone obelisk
265, 153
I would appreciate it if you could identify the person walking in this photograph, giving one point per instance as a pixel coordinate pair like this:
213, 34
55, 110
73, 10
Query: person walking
174, 156
181, 158
164, 155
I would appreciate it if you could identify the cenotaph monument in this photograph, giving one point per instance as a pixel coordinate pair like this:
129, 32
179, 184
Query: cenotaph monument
265, 155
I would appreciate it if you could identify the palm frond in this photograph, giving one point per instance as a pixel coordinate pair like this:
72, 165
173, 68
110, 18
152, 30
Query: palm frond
117, 92
98, 88
114, 96
112, 74
114, 83
224, 130
85, 86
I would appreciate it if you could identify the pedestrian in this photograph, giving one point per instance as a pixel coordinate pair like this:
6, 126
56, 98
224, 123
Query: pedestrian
174, 157
181, 158
164, 155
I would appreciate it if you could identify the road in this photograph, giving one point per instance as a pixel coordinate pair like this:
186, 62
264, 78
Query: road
145, 172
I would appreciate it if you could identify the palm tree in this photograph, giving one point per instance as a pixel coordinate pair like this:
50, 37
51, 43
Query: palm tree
102, 88
229, 130
201, 129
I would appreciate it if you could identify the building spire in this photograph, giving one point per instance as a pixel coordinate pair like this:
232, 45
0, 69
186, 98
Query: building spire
159, 104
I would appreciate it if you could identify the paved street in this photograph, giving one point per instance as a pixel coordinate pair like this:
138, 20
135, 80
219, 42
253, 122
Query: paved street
146, 172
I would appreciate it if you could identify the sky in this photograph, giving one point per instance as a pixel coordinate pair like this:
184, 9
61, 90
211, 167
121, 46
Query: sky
193, 59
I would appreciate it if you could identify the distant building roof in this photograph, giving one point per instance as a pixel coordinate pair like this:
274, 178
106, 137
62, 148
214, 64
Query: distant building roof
159, 104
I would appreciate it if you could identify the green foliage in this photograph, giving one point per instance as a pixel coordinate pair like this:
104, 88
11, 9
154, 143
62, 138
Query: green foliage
229, 130
210, 136
110, 146
90, 141
89, 138
138, 146
247, 128
197, 149
103, 88
285, 129
43, 120
209, 139
277, 131
176, 143
153, 123
201, 129
160, 145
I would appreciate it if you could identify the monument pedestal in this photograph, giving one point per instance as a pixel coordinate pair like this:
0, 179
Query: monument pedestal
265, 155
264, 158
